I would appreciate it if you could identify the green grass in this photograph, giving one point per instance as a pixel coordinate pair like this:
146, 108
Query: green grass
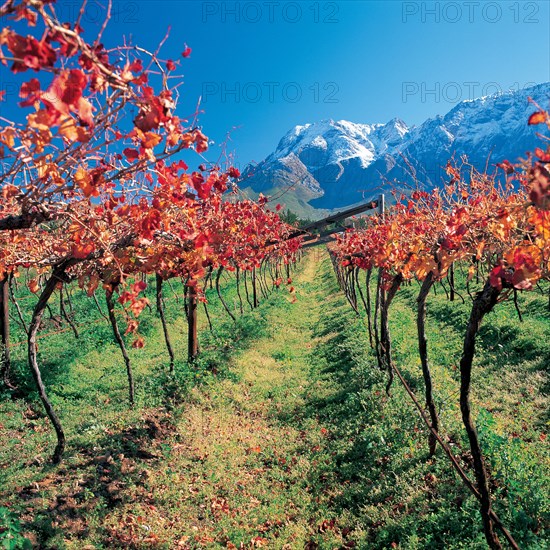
282, 435
509, 393
87, 385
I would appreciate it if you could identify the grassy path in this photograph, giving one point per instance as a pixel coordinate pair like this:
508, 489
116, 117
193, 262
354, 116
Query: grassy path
243, 471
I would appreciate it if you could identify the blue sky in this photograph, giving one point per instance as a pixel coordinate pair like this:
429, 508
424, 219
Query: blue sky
264, 66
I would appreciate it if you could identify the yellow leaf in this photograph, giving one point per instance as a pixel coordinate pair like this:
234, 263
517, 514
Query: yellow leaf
69, 130
84, 181
7, 136
41, 120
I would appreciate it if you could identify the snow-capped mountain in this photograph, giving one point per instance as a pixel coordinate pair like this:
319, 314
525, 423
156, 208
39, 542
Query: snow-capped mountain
331, 164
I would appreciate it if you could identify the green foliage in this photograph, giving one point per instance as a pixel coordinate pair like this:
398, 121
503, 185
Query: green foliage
293, 219
11, 537
521, 479
168, 388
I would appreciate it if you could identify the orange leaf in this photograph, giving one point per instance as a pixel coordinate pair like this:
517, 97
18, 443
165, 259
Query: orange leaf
542, 155
84, 181
151, 140
137, 306
132, 326
7, 136
33, 286
9, 191
540, 117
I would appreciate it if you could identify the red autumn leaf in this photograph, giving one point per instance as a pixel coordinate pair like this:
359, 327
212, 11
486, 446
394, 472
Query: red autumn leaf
29, 92
507, 166
540, 186
523, 278
125, 297
30, 53
74, 86
136, 66
138, 343
141, 80
82, 251
139, 286
150, 224
542, 155
65, 95
131, 154
201, 141
201, 146
234, 173
150, 116
25, 13
500, 275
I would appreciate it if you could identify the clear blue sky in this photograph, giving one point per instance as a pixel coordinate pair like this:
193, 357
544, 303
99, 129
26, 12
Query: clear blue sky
289, 63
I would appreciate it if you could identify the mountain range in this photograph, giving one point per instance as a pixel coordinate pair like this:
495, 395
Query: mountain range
327, 165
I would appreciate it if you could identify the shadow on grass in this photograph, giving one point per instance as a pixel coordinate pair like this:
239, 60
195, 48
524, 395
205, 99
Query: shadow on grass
344, 412
367, 435
510, 341
111, 469
364, 471
56, 354
54, 374
110, 472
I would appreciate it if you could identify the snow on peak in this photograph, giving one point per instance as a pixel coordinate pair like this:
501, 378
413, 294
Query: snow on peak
331, 142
